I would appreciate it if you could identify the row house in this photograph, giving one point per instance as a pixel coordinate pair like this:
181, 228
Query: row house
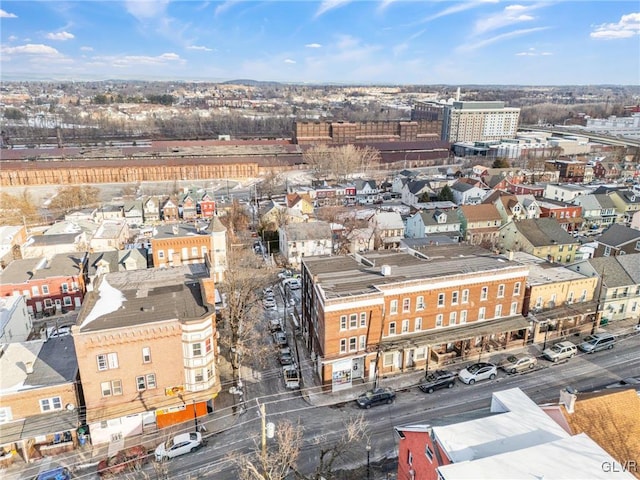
541, 237
617, 240
568, 215
387, 313
15, 322
49, 286
12, 239
424, 223
627, 203
388, 229
536, 191
109, 212
618, 286
513, 207
301, 240
110, 235
566, 192
466, 194
570, 171
133, 212
38, 246
302, 204
607, 171
367, 192
151, 210
415, 191
169, 210
100, 263
146, 343
598, 211
480, 224
196, 203
40, 399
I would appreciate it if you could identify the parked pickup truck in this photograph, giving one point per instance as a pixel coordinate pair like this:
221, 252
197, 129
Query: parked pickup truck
291, 378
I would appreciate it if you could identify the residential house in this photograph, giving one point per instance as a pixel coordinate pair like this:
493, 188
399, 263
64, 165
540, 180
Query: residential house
298, 240
84, 214
569, 216
109, 212
480, 224
559, 301
187, 206
607, 171
151, 209
598, 211
146, 342
570, 171
299, 203
424, 223
565, 193
169, 211
388, 228
617, 240
110, 235
467, 194
40, 399
530, 206
635, 221
367, 192
205, 205
15, 322
49, 286
218, 255
508, 205
627, 203
357, 240
414, 191
12, 238
619, 284
100, 263
272, 215
387, 313
38, 246
133, 212
515, 438
541, 237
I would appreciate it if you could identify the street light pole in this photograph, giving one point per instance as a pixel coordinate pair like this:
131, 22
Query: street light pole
368, 461
546, 332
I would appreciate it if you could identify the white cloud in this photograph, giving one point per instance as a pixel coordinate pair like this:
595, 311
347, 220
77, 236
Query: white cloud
146, 9
4, 14
327, 5
455, 8
136, 60
31, 49
60, 36
288, 60
313, 45
170, 56
86, 49
498, 38
12, 38
532, 52
511, 15
224, 6
628, 26
199, 47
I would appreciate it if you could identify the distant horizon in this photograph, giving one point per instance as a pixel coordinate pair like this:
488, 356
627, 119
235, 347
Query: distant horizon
323, 42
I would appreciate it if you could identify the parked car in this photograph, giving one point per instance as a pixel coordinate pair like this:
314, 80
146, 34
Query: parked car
436, 380
478, 371
60, 473
560, 351
274, 325
597, 342
518, 363
280, 338
53, 332
285, 357
633, 382
268, 291
124, 461
376, 396
179, 445
291, 377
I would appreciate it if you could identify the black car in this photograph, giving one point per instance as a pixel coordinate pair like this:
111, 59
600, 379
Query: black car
436, 380
376, 397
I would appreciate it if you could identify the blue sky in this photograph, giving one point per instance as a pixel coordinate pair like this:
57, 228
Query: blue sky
339, 41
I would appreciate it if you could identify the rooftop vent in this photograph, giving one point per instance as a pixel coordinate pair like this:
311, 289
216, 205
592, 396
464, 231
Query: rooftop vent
385, 270
28, 367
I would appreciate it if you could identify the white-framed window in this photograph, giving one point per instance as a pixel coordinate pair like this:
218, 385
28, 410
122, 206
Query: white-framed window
481, 313
161, 254
353, 320
498, 312
343, 322
107, 361
196, 349
50, 404
516, 288
463, 316
35, 291
607, 251
428, 453
146, 355
420, 303
363, 342
417, 324
405, 326
45, 289
538, 302
392, 328
66, 301
439, 319
421, 353
388, 358
406, 305
194, 252
113, 387
514, 308
353, 344
363, 319
393, 307
198, 375
410, 458
501, 291
465, 296
453, 318
454, 298
583, 297
65, 287
484, 293
441, 299
570, 297
343, 345
5, 415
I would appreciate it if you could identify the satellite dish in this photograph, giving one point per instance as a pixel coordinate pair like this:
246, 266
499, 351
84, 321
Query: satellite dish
70, 407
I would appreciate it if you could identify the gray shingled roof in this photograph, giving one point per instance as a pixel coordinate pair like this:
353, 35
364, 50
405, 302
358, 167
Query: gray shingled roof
631, 265
617, 235
56, 363
544, 231
614, 274
300, 232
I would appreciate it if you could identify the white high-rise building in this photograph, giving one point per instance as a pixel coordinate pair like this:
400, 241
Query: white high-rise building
479, 121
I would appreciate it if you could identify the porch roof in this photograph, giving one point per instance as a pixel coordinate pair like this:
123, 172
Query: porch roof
461, 332
38, 425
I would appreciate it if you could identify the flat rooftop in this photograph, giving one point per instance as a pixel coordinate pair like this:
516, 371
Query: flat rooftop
542, 272
137, 297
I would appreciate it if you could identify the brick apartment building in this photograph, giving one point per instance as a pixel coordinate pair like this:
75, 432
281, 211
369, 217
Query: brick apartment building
366, 132
570, 171
146, 343
389, 313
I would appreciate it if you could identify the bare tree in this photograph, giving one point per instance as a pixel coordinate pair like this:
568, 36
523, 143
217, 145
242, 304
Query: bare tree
69, 198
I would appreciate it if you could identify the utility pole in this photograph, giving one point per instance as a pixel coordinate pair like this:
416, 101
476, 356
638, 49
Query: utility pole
594, 327
263, 416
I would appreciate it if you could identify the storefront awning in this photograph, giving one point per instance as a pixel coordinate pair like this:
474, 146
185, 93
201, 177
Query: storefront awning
456, 334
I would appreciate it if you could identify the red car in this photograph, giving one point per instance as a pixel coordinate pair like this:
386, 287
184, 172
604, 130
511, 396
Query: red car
128, 460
